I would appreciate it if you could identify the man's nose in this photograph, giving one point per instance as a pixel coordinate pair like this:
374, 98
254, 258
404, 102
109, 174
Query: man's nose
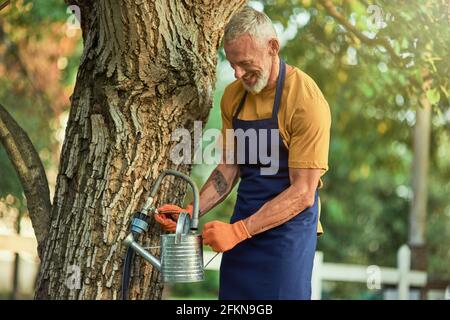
238, 72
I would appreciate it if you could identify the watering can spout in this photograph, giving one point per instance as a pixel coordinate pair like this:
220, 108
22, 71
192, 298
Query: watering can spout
129, 242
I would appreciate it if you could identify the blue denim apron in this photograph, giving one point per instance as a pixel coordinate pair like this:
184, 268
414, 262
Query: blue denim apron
277, 263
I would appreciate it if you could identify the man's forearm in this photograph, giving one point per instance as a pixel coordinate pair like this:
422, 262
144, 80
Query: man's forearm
219, 184
280, 209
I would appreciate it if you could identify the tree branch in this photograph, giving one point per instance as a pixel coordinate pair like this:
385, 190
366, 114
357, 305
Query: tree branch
331, 10
4, 4
31, 172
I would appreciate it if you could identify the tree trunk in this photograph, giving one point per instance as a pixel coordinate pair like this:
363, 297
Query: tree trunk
148, 68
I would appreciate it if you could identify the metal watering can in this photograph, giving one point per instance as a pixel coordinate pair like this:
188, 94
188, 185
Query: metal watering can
181, 252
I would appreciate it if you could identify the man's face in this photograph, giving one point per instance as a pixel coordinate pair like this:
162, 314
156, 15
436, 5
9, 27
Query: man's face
251, 60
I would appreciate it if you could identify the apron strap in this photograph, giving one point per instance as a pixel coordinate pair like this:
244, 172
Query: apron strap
241, 104
278, 93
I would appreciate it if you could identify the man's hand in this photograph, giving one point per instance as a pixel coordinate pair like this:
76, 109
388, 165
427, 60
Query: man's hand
223, 236
168, 214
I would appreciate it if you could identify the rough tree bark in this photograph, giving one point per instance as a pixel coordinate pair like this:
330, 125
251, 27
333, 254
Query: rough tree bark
148, 67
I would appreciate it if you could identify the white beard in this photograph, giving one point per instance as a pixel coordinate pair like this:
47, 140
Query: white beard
260, 84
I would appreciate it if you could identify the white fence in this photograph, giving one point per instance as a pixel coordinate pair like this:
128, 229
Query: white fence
28, 263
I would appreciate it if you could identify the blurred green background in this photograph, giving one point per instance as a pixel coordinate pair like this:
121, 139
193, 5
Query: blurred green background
373, 94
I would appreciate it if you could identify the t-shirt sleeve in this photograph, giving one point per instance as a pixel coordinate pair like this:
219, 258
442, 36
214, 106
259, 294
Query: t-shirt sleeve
226, 115
310, 129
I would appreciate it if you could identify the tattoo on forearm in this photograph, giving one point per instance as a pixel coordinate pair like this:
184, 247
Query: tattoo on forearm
219, 181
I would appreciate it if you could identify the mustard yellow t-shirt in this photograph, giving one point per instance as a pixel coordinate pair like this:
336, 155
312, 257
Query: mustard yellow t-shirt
304, 118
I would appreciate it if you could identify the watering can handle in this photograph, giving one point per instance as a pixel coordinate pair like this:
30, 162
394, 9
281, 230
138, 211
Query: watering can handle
195, 214
183, 226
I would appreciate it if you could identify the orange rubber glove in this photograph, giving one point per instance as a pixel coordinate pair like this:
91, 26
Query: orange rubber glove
223, 236
168, 214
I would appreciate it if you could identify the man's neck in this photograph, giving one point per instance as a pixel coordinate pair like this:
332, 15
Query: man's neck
273, 77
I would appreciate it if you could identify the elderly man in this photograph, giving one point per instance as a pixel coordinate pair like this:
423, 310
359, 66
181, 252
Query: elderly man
270, 241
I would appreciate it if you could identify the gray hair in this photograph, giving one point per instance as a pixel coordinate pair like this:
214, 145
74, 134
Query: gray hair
250, 21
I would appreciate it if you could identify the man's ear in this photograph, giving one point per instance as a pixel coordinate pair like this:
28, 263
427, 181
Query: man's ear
274, 46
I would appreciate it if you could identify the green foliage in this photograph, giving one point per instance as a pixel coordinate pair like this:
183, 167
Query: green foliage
32, 14
366, 199
30, 88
